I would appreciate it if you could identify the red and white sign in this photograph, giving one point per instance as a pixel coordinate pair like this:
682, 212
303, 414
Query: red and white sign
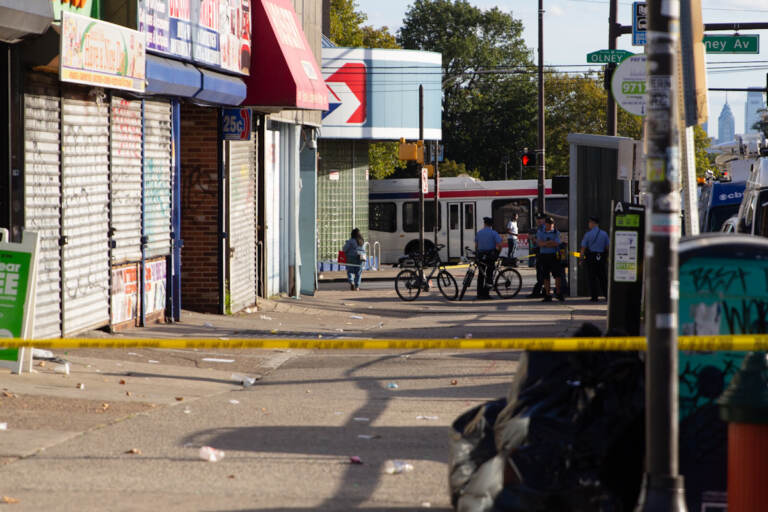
425, 180
347, 95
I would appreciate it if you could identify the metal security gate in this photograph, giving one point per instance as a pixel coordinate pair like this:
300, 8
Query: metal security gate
241, 225
85, 215
272, 209
42, 197
157, 178
125, 180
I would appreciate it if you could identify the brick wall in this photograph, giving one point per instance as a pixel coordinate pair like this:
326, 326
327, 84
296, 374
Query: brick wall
199, 209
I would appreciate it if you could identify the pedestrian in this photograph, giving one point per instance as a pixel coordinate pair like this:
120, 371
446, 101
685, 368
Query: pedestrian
594, 249
512, 233
355, 256
548, 241
533, 238
487, 247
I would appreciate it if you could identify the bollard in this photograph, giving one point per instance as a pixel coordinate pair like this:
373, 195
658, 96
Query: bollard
744, 405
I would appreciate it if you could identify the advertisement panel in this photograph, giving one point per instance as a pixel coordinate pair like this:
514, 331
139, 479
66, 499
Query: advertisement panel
374, 93
235, 35
85, 7
125, 294
205, 33
154, 286
98, 53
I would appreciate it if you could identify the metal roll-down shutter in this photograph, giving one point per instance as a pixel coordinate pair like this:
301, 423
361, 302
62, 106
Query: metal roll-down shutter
85, 215
42, 199
157, 178
241, 225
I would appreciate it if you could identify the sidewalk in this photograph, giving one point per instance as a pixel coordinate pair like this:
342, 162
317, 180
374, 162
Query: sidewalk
388, 273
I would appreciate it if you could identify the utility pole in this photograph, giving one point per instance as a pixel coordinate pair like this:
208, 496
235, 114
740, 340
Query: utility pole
663, 489
437, 189
421, 189
541, 152
613, 35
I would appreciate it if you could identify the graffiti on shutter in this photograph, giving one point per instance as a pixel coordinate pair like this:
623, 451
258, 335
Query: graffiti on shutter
242, 278
125, 176
85, 214
42, 196
157, 178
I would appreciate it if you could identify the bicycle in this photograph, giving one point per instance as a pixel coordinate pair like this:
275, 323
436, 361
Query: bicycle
409, 283
506, 280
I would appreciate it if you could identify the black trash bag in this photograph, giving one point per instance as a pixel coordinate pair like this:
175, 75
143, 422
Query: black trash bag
572, 433
472, 445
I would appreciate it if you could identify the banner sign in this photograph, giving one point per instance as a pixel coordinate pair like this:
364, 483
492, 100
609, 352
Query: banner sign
236, 123
98, 53
84, 7
215, 33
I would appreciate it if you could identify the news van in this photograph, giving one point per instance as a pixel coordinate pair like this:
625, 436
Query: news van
718, 202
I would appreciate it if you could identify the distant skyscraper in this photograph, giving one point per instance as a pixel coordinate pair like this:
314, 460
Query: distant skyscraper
751, 115
726, 129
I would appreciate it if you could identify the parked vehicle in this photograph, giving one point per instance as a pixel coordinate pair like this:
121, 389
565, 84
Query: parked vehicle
753, 212
464, 201
731, 225
719, 201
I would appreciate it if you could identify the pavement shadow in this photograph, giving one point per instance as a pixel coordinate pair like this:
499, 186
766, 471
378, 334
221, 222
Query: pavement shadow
340, 507
173, 377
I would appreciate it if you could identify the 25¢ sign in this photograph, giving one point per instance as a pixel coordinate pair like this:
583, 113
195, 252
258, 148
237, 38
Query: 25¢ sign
236, 123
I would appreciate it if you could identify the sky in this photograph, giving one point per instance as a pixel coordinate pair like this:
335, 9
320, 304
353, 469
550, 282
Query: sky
574, 28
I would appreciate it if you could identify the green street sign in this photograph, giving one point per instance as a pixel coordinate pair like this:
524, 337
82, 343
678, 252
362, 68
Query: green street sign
608, 56
749, 43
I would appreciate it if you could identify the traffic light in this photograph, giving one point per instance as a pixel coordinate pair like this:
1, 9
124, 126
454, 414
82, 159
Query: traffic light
528, 158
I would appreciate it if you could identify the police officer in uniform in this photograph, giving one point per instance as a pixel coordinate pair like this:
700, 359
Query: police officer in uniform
534, 235
594, 248
487, 246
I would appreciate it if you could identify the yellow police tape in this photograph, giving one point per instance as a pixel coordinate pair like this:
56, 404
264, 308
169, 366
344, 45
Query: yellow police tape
698, 343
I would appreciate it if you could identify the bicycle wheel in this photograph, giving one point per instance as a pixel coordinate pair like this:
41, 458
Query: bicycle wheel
467, 281
447, 285
408, 285
508, 283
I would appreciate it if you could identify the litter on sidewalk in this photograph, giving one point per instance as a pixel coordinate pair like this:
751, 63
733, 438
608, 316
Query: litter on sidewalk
427, 418
355, 460
217, 360
210, 454
3, 426
362, 420
392, 385
395, 467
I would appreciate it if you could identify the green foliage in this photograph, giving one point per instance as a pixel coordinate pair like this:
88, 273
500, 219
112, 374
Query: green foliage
449, 168
382, 158
346, 21
703, 159
486, 114
762, 124
577, 104
378, 38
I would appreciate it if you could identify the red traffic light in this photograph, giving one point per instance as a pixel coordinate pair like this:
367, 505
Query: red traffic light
528, 158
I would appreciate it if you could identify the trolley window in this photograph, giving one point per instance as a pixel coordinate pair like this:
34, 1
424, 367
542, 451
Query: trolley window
453, 217
502, 210
411, 217
469, 216
382, 217
557, 208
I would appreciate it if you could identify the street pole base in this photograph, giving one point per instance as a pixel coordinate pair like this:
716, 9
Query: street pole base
662, 493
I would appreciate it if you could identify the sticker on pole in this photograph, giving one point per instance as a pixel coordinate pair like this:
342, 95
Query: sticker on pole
629, 83
424, 180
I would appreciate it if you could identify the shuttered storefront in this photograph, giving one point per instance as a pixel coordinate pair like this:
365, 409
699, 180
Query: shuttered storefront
157, 178
272, 209
42, 195
241, 225
85, 213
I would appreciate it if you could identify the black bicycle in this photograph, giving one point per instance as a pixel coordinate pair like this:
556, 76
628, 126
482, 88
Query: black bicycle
506, 280
410, 282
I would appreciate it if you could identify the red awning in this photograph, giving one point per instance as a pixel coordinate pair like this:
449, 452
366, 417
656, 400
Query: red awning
284, 71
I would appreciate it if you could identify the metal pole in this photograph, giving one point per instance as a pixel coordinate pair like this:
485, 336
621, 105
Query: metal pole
421, 190
437, 189
611, 120
662, 486
541, 153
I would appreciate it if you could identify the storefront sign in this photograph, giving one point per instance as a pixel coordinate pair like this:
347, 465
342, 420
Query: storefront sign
154, 284
216, 33
103, 54
236, 123
85, 7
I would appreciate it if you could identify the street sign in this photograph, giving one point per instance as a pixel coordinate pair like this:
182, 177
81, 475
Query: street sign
639, 23
749, 43
608, 56
425, 180
628, 85
236, 123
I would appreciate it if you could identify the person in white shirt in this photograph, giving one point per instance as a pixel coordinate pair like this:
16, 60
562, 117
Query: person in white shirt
512, 233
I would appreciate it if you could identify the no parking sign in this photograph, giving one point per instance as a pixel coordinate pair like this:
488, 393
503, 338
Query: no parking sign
236, 123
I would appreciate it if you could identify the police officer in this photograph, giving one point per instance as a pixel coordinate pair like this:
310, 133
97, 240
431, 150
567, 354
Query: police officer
536, 292
594, 248
549, 241
487, 246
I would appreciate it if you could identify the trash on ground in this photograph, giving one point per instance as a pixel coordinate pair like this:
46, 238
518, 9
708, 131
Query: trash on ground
132, 354
207, 324
405, 356
41, 364
133, 451
210, 454
349, 304
38, 353
339, 330
368, 437
395, 467
427, 418
80, 385
8, 500
454, 382
104, 406
122, 382
468, 335
234, 402
355, 460
265, 317
361, 419
179, 398
338, 413
217, 360
127, 393
251, 310
187, 411
426, 504
8, 394
392, 385
231, 477
152, 361
356, 317
62, 368
273, 331
243, 379
309, 391
4, 426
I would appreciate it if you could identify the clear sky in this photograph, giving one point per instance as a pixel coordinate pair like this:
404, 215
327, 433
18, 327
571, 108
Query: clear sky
573, 28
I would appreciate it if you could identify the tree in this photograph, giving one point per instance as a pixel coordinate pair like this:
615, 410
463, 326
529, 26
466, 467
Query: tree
762, 124
700, 143
382, 159
346, 23
489, 93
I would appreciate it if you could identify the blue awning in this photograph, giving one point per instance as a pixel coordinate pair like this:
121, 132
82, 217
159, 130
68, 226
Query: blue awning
221, 89
172, 78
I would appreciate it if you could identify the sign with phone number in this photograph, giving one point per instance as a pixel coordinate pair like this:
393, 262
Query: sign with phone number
236, 124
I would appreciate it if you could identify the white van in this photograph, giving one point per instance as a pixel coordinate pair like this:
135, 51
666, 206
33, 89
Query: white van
753, 212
